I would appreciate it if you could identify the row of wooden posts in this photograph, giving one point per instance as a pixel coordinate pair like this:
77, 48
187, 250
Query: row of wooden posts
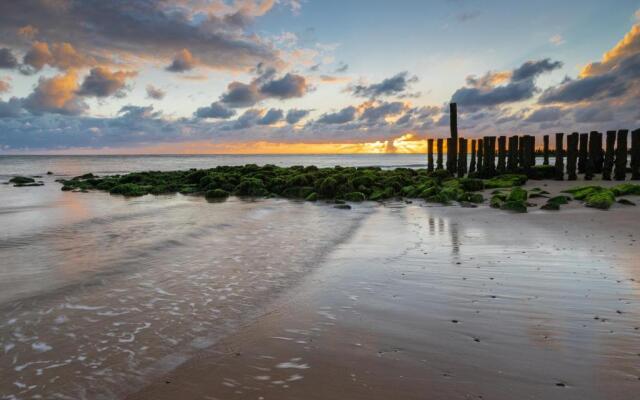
585, 154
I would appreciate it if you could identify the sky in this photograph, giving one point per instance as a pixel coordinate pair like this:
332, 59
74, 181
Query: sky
309, 76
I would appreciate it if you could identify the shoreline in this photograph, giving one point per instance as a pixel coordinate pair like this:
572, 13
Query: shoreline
446, 305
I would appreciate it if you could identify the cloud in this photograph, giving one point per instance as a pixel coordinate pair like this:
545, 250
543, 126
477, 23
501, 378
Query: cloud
467, 15
343, 116
215, 110
342, 67
7, 59
264, 86
101, 82
4, 86
248, 119
28, 32
376, 113
295, 115
147, 30
59, 55
533, 69
615, 76
155, 93
545, 114
271, 117
395, 85
11, 108
56, 95
557, 40
182, 61
593, 113
483, 92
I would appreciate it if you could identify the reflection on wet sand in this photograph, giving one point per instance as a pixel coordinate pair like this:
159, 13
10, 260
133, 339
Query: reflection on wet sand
520, 311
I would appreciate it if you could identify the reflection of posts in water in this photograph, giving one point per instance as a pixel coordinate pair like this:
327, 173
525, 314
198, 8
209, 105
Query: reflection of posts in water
432, 225
455, 240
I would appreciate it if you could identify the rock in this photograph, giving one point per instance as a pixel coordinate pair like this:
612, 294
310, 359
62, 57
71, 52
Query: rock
342, 206
21, 180
216, 194
626, 202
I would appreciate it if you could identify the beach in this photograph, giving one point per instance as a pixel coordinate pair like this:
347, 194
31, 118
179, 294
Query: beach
171, 296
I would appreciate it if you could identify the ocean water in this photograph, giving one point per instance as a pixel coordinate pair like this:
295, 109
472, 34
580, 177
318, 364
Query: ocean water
99, 293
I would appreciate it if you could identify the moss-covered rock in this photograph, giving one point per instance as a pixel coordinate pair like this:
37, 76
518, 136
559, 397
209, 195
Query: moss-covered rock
602, 199
514, 205
471, 184
129, 189
251, 187
312, 197
505, 181
626, 202
21, 180
518, 195
216, 194
626, 189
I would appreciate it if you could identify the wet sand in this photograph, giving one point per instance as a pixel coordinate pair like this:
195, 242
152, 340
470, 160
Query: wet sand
428, 302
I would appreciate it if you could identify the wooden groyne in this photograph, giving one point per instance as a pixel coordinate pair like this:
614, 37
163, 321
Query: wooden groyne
591, 154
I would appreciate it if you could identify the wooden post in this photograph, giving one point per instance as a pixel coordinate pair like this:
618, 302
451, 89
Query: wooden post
609, 156
492, 156
598, 158
472, 164
502, 154
532, 149
462, 157
621, 156
512, 163
480, 167
452, 152
559, 157
572, 155
589, 167
521, 146
440, 147
583, 152
635, 154
545, 149
430, 155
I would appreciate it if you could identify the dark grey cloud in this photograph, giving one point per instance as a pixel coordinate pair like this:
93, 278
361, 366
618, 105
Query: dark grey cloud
593, 113
343, 116
376, 114
545, 114
7, 59
101, 82
248, 119
152, 29
155, 93
295, 115
533, 69
271, 117
215, 110
396, 85
289, 86
11, 108
266, 85
342, 67
521, 86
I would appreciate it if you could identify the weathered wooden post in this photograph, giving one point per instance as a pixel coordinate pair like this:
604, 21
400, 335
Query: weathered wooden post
430, 155
512, 163
609, 156
525, 162
635, 154
472, 163
462, 157
532, 149
440, 146
452, 152
621, 155
583, 152
492, 155
545, 149
598, 159
502, 154
559, 157
521, 148
480, 166
589, 167
572, 155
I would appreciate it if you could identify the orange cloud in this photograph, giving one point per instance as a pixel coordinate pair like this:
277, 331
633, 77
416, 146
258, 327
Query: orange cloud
60, 55
56, 95
629, 45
